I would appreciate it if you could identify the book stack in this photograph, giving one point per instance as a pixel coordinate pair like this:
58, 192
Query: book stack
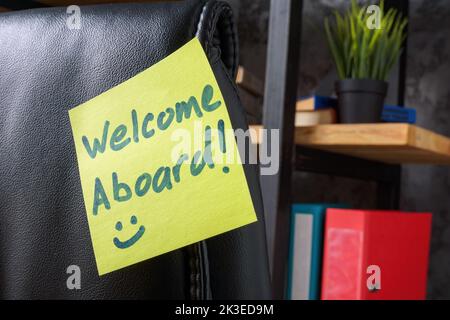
398, 114
357, 254
315, 110
250, 90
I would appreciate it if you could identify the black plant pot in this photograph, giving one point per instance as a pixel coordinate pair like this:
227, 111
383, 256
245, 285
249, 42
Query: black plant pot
360, 100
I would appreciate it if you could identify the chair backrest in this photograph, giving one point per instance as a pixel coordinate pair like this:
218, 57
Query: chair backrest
47, 69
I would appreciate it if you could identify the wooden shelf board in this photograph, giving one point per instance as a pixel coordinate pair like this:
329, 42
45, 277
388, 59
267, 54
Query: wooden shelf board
385, 142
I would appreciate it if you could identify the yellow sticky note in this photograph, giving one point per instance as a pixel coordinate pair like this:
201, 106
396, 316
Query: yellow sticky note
152, 154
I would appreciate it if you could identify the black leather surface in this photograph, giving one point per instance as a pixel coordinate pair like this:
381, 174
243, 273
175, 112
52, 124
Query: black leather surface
47, 69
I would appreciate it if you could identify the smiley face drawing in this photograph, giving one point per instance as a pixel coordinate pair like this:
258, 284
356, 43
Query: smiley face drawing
128, 243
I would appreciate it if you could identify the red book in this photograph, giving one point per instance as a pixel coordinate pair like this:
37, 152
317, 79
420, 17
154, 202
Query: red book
372, 255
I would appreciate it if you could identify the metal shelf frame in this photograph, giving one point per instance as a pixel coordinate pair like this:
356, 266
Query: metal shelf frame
282, 70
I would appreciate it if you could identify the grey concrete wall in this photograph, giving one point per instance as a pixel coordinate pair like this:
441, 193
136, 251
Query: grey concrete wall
424, 188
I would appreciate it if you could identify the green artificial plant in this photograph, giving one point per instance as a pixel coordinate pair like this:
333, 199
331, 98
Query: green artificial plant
361, 52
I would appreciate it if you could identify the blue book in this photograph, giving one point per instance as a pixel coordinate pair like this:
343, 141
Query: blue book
312, 103
398, 114
305, 250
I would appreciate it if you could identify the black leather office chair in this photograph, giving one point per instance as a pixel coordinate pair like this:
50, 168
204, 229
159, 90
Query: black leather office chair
45, 70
